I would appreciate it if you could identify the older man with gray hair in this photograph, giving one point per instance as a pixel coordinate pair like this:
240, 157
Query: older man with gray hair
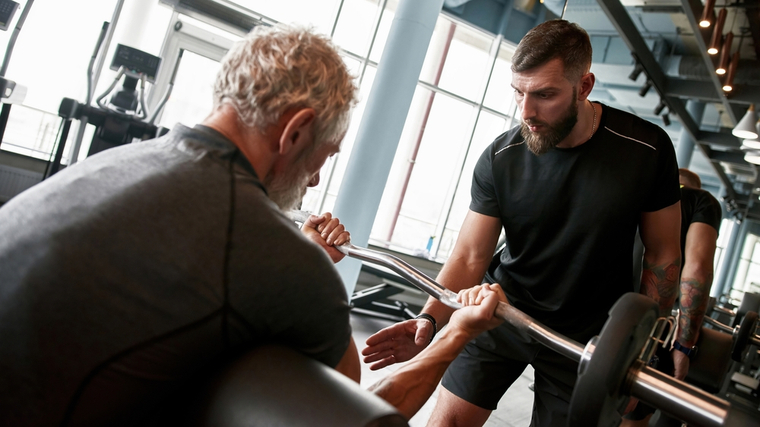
129, 273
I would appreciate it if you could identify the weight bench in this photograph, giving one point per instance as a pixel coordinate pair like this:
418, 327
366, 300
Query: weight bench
277, 386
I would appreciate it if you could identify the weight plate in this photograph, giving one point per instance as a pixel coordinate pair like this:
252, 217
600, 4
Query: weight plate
598, 397
742, 336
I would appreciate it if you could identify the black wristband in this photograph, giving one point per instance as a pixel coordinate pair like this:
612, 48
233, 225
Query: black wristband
689, 352
432, 320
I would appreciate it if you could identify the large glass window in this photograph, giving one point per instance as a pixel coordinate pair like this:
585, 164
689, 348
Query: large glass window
747, 278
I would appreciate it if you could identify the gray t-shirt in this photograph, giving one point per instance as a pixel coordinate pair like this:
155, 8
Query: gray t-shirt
134, 270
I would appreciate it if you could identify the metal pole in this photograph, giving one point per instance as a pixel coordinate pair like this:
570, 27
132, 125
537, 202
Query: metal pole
679, 399
383, 122
14, 36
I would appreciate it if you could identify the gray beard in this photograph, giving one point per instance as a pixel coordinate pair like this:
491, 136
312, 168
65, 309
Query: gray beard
288, 191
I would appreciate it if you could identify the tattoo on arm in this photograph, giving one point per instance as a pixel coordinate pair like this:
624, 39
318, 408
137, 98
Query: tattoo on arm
692, 303
660, 282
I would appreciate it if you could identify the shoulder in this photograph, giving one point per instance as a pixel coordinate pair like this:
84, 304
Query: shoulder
507, 141
633, 129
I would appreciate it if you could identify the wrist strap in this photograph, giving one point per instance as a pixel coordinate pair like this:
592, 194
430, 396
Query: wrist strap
689, 352
431, 319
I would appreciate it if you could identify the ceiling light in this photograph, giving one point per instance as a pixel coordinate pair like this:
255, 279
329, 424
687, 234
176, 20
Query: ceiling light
750, 144
725, 54
644, 89
752, 157
728, 86
746, 128
717, 34
753, 144
707, 14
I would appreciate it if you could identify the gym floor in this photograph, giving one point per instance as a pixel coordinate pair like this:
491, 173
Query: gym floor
514, 408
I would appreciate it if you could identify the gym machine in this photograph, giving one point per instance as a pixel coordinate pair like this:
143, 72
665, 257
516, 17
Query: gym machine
10, 92
126, 115
612, 367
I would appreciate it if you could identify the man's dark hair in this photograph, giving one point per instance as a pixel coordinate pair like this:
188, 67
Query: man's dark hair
689, 178
555, 39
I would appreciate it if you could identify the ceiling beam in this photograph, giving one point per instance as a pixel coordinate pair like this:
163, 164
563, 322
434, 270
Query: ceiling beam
727, 157
622, 22
705, 91
718, 138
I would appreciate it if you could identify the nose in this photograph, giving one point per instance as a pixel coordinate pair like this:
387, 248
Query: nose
314, 181
527, 109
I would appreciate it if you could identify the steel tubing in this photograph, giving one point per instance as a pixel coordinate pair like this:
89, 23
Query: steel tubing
681, 400
754, 338
405, 270
527, 325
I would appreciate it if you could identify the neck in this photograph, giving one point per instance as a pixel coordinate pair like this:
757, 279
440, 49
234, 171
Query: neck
588, 122
254, 145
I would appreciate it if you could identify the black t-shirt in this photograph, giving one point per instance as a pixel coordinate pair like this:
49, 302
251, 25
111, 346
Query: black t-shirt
570, 216
698, 206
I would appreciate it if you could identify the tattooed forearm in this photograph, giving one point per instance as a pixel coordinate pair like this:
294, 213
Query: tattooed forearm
660, 282
692, 303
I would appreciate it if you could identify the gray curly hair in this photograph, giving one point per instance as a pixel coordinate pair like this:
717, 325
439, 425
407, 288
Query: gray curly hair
274, 69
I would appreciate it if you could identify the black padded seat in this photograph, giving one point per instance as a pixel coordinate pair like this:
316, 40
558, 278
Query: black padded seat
709, 367
276, 386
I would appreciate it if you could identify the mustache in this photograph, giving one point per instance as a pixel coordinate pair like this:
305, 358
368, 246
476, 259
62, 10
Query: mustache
530, 122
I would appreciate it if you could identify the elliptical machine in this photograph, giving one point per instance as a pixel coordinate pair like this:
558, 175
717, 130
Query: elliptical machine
125, 116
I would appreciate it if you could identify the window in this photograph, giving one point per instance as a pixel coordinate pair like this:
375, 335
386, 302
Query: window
462, 102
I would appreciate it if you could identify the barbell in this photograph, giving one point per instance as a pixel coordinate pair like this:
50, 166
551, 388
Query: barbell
743, 334
611, 367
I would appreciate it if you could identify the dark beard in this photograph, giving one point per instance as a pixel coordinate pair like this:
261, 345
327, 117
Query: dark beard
540, 144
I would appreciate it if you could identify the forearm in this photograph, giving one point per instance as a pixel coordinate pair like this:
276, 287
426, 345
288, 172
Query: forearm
659, 281
695, 292
409, 387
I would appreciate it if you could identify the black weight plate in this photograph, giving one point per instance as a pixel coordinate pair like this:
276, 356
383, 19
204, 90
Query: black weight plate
598, 396
741, 340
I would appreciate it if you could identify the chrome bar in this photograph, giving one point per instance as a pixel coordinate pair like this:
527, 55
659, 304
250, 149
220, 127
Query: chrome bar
681, 400
528, 326
521, 321
405, 270
719, 325
724, 310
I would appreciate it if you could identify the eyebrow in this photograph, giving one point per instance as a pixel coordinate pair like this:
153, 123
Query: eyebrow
543, 89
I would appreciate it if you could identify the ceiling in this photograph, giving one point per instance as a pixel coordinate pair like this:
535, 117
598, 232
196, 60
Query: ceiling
671, 48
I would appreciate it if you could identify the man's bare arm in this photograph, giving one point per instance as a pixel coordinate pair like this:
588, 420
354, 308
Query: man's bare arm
696, 280
660, 234
410, 386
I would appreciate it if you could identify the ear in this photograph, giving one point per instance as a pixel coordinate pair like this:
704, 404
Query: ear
586, 85
297, 130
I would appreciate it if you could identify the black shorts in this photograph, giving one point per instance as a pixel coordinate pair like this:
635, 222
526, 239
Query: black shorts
489, 365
